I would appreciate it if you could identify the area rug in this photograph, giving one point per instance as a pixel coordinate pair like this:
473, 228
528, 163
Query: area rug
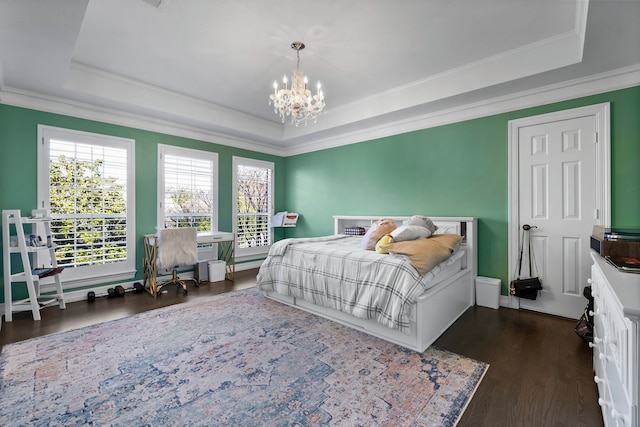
236, 359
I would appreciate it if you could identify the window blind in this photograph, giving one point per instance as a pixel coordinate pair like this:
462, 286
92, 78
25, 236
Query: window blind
188, 192
254, 205
88, 202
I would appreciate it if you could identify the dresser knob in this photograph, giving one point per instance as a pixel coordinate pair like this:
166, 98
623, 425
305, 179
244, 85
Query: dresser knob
619, 416
603, 403
589, 280
598, 380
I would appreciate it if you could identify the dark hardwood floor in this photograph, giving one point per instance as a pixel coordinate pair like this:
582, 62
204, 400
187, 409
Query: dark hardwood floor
540, 372
79, 314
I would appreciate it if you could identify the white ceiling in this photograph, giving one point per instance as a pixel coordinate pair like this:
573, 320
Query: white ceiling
210, 65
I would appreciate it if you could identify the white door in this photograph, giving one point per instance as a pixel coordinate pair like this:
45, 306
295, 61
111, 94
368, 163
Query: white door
560, 196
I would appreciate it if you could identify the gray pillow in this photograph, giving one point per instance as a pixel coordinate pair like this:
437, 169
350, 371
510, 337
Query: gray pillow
410, 232
422, 221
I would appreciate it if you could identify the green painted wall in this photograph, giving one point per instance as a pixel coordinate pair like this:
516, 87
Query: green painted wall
459, 169
18, 167
453, 170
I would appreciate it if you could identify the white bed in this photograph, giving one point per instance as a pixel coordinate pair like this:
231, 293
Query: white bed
433, 311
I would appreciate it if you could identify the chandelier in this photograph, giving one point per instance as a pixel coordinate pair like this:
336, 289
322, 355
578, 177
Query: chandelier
297, 102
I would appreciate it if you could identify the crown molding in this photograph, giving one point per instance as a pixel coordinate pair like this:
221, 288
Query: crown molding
591, 85
49, 104
577, 88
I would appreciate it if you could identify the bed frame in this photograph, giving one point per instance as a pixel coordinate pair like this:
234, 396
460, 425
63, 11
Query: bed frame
434, 311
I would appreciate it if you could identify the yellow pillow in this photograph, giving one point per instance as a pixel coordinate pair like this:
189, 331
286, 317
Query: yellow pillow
424, 254
384, 240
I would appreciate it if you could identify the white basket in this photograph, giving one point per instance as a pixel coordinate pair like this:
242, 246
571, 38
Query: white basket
217, 270
488, 292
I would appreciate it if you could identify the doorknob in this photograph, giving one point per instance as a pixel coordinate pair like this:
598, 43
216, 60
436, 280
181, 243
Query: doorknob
527, 227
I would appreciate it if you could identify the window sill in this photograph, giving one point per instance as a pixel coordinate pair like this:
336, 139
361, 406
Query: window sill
250, 257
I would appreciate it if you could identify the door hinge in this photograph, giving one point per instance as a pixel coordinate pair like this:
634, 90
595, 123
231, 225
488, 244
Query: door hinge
596, 213
595, 139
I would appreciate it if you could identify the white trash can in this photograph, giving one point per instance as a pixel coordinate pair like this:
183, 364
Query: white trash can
488, 292
217, 270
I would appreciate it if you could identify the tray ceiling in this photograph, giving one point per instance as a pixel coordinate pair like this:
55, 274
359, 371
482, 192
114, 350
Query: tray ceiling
211, 65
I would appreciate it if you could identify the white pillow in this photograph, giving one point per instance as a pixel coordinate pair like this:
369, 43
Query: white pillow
409, 232
422, 221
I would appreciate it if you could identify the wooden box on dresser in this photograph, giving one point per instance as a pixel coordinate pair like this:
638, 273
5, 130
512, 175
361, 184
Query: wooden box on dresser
616, 342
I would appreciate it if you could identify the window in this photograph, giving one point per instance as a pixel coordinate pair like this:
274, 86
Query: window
187, 188
252, 205
86, 182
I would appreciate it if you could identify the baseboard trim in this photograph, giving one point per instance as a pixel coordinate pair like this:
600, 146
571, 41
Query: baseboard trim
509, 302
249, 265
103, 290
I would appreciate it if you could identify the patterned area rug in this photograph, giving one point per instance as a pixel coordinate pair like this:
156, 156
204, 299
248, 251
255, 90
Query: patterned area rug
235, 359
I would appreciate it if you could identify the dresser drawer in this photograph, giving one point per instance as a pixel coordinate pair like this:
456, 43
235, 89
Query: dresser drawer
616, 334
614, 400
615, 347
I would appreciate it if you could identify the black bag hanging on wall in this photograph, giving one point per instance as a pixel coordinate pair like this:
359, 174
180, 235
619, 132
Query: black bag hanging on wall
528, 287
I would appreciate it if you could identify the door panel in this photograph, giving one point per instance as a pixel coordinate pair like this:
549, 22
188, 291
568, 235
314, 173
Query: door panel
556, 187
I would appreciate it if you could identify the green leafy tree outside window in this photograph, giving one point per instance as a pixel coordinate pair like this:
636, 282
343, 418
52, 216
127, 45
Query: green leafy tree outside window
253, 206
189, 209
89, 211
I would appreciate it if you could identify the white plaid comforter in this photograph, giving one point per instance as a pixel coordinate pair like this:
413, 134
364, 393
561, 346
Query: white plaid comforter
335, 272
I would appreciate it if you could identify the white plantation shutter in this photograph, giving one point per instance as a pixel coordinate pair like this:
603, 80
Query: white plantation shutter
85, 182
253, 205
187, 188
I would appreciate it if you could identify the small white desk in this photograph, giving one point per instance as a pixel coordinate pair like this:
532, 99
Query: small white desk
226, 249
226, 252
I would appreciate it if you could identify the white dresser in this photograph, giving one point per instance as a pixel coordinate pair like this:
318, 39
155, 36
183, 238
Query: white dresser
616, 342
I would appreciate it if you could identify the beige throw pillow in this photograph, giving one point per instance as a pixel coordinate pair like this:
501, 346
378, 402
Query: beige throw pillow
424, 254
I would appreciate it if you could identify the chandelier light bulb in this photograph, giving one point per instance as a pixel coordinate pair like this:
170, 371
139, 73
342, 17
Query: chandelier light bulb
297, 101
